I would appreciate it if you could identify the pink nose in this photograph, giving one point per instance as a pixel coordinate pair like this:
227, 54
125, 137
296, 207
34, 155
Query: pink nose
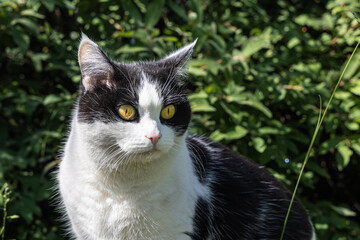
154, 138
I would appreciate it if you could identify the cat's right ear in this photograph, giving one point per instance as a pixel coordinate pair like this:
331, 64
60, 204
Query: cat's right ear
180, 58
96, 68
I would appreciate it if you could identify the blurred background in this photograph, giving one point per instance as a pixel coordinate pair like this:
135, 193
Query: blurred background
257, 72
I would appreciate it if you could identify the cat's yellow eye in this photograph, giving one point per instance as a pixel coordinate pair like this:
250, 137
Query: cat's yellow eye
168, 112
127, 112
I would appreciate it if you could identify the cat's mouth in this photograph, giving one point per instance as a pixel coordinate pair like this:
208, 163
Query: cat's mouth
150, 151
144, 152
140, 151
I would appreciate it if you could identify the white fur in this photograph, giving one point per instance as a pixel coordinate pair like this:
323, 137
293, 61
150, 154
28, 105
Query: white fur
114, 186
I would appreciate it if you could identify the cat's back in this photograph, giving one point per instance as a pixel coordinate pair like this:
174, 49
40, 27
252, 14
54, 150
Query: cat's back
246, 202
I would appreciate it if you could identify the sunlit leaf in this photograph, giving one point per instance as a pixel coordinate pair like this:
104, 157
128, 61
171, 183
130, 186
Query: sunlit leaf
259, 144
343, 211
345, 154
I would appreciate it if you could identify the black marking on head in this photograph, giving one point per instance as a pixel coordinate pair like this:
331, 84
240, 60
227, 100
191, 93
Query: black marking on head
180, 121
107, 84
102, 103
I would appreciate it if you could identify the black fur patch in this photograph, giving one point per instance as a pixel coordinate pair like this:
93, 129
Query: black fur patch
102, 103
202, 220
247, 202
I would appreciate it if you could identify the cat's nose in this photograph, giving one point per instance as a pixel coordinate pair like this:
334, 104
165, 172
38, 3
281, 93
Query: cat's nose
154, 138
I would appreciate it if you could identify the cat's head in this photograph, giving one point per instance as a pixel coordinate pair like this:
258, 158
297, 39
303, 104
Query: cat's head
132, 111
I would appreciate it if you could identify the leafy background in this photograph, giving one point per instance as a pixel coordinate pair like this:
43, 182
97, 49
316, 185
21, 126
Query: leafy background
258, 70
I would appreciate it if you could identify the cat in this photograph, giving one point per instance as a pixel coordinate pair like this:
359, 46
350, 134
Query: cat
130, 170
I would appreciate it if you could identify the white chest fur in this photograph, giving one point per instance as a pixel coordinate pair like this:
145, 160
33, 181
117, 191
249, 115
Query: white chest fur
155, 201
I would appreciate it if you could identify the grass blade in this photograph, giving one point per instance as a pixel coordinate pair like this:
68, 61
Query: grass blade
320, 121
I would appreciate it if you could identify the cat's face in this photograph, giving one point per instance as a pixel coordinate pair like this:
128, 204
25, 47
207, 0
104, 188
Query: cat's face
132, 112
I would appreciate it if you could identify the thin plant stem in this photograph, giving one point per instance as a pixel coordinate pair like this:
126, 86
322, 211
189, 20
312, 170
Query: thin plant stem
4, 193
320, 121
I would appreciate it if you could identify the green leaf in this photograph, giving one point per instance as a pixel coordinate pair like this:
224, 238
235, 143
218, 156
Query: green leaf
251, 101
197, 71
27, 23
51, 99
356, 148
330, 144
199, 102
345, 154
201, 105
355, 87
198, 95
196, 5
13, 217
254, 45
31, 13
259, 144
130, 49
31, 104
170, 39
293, 42
128, 34
353, 66
177, 9
20, 38
26, 207
344, 211
259, 106
129, 6
217, 136
237, 133
154, 12
271, 131
205, 63
49, 4
37, 59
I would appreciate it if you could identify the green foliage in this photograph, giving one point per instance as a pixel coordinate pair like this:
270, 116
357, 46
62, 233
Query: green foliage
4, 200
257, 71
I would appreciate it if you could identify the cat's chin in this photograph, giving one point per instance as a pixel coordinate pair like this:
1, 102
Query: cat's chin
148, 156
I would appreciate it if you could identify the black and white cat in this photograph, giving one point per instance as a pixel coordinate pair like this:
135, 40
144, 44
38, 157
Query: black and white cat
131, 171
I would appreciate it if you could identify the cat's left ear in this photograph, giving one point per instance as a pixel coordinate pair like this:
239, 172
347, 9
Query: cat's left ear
180, 58
96, 68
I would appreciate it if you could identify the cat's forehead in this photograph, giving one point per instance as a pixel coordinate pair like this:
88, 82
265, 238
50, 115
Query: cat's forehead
141, 71
155, 77
149, 93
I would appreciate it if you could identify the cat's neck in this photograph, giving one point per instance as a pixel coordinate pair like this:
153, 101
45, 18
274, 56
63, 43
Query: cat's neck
169, 169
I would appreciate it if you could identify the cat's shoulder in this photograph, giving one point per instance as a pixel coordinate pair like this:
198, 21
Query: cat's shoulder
210, 156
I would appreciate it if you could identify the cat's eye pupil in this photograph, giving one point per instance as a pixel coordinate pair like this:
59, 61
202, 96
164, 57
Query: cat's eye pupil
127, 112
168, 112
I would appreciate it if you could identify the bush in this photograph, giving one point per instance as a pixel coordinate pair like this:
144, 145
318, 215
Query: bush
257, 72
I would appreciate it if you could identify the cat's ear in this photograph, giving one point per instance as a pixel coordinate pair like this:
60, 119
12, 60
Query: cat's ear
180, 58
96, 68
